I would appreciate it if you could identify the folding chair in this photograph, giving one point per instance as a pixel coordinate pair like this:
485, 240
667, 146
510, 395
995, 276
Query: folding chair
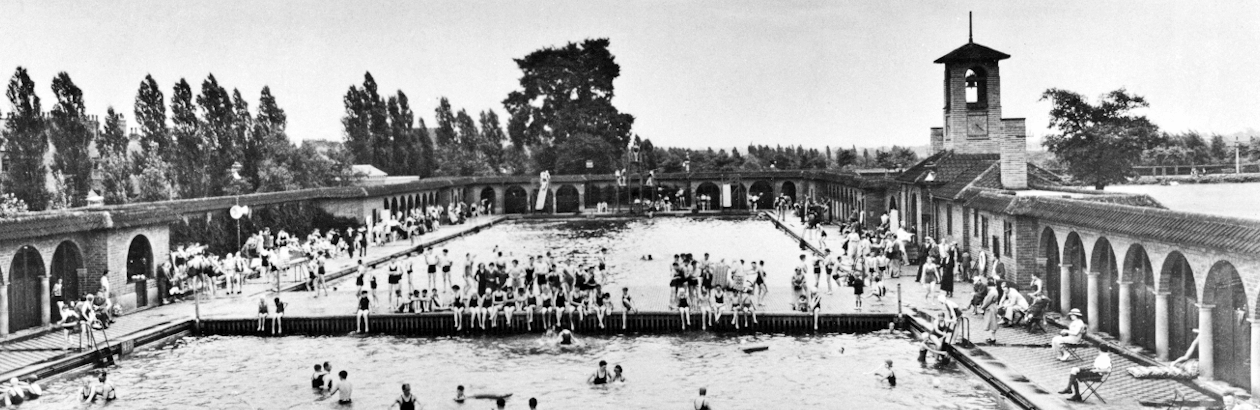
1091, 384
1070, 348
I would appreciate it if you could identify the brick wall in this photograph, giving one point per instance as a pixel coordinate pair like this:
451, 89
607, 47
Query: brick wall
1014, 156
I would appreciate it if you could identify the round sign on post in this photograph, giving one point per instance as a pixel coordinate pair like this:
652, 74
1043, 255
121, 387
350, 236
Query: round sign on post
237, 211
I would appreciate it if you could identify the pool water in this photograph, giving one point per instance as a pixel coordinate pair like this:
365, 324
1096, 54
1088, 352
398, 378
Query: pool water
629, 242
662, 372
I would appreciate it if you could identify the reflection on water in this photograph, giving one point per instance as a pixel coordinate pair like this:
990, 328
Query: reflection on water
662, 372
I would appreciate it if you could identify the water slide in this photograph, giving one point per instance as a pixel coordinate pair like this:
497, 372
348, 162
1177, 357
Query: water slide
544, 188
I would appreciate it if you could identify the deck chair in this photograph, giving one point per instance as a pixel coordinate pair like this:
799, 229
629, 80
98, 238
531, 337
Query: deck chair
1091, 384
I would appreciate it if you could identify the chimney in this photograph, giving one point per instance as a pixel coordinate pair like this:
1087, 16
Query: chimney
938, 140
1014, 154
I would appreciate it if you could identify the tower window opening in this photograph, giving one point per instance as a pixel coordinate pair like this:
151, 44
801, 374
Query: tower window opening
973, 87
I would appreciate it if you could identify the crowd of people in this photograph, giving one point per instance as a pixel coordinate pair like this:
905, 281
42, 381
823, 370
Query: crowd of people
491, 289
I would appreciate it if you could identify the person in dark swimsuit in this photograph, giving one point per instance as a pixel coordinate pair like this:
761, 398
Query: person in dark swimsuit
891, 377
702, 402
684, 310
601, 374
562, 306
406, 401
361, 316
317, 379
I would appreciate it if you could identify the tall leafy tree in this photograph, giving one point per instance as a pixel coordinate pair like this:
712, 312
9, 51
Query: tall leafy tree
445, 134
189, 166
565, 91
218, 126
268, 140
492, 140
404, 146
1100, 142
427, 163
26, 143
113, 139
72, 139
115, 166
150, 114
469, 135
355, 126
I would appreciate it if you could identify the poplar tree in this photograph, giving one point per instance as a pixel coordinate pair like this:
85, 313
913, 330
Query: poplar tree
150, 114
72, 138
26, 143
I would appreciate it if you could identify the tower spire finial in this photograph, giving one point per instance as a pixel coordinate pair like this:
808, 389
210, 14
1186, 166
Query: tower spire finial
969, 37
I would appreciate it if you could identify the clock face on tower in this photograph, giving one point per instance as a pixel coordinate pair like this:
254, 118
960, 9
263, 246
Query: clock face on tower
977, 126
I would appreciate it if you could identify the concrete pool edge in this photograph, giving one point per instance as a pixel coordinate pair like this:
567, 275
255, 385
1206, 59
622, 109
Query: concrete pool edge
443, 324
118, 347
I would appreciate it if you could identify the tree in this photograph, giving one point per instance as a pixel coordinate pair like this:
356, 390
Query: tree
406, 149
1101, 142
567, 91
150, 112
581, 148
366, 124
72, 138
154, 179
1220, 150
113, 140
116, 168
26, 143
492, 140
189, 166
469, 135
219, 133
445, 133
427, 164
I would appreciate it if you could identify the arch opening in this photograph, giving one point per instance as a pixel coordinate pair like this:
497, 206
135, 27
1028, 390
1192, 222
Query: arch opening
515, 200
1177, 278
1050, 251
1103, 261
140, 268
67, 263
487, 200
566, 199
1231, 332
709, 196
1137, 269
764, 194
1078, 280
24, 289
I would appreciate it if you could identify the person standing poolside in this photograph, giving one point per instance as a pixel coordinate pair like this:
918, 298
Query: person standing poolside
343, 388
394, 279
406, 401
361, 316
990, 308
431, 260
445, 261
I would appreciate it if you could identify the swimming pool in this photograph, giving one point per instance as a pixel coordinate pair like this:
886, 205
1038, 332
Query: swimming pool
662, 372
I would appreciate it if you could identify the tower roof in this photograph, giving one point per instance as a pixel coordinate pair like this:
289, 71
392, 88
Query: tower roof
972, 52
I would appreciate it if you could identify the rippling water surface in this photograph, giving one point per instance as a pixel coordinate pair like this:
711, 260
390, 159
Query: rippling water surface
663, 372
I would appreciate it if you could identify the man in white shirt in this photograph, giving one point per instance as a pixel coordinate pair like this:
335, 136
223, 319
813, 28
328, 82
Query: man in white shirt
904, 237
1102, 366
342, 388
1073, 334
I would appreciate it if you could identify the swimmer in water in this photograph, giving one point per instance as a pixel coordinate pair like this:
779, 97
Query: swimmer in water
17, 391
343, 388
617, 375
406, 401
702, 402
317, 379
102, 389
566, 337
887, 374
600, 376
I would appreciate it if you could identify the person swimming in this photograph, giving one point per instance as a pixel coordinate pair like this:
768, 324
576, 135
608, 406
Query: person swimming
460, 397
566, 337
617, 375
702, 402
891, 377
601, 374
317, 379
102, 389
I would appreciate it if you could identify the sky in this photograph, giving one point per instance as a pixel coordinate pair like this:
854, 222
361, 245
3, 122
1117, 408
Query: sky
694, 74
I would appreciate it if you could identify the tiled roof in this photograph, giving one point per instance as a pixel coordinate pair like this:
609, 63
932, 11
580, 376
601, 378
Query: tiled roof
972, 52
954, 171
1159, 225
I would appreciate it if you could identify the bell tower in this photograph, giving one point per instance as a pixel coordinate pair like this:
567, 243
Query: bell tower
973, 111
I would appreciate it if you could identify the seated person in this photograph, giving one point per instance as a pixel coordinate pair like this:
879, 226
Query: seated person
1232, 401
1073, 334
1102, 366
1014, 304
1037, 310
